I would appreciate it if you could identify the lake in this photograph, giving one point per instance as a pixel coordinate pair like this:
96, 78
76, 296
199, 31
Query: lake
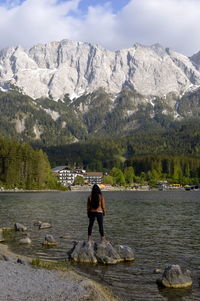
163, 227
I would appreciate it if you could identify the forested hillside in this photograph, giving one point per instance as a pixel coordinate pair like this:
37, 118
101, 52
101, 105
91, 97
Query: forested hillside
45, 122
97, 133
172, 154
179, 138
24, 168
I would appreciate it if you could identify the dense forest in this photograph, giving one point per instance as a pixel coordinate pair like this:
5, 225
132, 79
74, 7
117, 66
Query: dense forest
160, 140
156, 169
23, 167
172, 154
46, 123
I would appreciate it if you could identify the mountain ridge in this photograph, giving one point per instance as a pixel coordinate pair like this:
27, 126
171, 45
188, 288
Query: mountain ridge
98, 93
77, 68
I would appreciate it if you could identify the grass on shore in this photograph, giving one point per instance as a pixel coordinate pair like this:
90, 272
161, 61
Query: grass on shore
50, 264
8, 234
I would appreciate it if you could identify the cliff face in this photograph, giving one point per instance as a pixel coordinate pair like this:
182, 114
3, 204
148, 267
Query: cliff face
102, 93
74, 68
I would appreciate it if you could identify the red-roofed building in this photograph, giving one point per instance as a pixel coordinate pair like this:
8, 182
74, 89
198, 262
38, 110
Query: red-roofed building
94, 177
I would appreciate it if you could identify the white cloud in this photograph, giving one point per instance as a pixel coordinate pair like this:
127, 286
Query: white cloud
172, 23
36, 21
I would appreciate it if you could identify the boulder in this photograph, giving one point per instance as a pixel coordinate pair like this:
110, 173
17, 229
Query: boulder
25, 241
105, 253
20, 227
83, 251
175, 277
44, 226
37, 223
49, 240
125, 252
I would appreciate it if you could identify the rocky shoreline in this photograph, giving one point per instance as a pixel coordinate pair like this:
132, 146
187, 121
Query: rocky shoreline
20, 282
75, 189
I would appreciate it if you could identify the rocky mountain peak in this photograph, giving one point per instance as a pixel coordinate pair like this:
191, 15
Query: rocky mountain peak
76, 68
196, 59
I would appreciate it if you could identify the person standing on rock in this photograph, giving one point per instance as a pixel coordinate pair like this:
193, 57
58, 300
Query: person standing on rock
96, 210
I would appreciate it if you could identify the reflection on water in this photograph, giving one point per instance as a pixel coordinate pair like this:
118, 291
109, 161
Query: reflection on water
161, 226
175, 294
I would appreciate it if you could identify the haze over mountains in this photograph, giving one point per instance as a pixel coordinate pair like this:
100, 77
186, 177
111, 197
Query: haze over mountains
76, 90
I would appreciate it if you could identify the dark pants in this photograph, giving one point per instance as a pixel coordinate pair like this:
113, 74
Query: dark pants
92, 216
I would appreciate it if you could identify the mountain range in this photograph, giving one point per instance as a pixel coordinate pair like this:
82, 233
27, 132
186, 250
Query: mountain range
75, 68
64, 92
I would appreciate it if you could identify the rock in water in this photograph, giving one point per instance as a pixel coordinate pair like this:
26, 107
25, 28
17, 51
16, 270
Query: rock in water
125, 252
25, 241
104, 253
20, 227
175, 277
37, 223
49, 240
83, 252
157, 271
44, 226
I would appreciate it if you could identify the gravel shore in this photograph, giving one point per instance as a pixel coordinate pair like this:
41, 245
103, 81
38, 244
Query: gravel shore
22, 282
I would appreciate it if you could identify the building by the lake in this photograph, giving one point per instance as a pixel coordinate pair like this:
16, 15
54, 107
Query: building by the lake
67, 176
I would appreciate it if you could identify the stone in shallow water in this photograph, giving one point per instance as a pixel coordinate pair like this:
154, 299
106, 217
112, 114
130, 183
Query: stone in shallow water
104, 253
125, 252
37, 223
83, 252
49, 240
175, 277
25, 241
20, 227
157, 271
44, 226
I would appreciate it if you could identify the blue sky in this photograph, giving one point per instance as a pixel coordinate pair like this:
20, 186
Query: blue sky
113, 24
117, 5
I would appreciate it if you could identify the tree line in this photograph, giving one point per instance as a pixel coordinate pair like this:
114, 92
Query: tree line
23, 167
153, 169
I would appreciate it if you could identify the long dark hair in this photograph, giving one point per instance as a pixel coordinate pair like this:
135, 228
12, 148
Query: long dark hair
96, 191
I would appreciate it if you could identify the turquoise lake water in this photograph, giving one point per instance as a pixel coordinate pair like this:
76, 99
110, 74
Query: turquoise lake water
163, 227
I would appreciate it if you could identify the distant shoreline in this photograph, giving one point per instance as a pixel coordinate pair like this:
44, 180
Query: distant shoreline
88, 189
26, 190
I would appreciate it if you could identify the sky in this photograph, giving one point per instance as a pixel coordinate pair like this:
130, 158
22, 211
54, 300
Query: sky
113, 24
